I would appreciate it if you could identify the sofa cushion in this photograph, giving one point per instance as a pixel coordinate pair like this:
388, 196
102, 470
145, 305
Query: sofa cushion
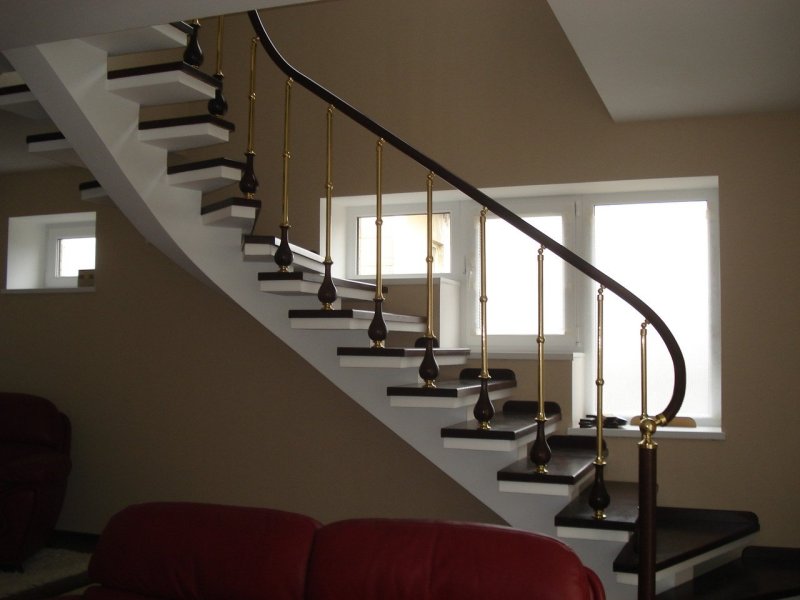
373, 559
193, 551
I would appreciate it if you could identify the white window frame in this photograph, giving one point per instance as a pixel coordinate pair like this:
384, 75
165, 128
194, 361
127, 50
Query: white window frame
32, 250
55, 233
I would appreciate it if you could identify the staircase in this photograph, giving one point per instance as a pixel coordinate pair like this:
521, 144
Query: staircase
98, 119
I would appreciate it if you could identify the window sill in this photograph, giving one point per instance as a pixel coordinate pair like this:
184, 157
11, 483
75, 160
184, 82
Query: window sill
75, 290
677, 433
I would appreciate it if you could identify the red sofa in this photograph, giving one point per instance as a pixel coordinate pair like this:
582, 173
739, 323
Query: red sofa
187, 551
34, 467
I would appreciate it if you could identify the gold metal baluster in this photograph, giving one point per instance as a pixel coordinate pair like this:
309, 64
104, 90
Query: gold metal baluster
218, 105
327, 290
598, 496
643, 338
428, 369
248, 184
284, 255
484, 411
540, 453
377, 329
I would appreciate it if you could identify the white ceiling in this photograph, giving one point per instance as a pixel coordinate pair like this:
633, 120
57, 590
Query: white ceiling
648, 59
661, 59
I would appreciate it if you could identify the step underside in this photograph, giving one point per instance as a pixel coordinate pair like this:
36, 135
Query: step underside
206, 175
264, 247
305, 283
231, 212
353, 319
167, 83
398, 358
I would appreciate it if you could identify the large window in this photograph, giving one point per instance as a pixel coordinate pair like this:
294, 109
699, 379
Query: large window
658, 238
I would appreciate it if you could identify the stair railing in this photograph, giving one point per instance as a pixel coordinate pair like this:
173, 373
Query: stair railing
649, 425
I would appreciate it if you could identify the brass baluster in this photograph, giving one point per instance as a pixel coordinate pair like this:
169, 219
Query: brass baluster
598, 496
484, 411
377, 328
193, 54
428, 369
643, 343
248, 184
218, 105
540, 453
284, 255
327, 290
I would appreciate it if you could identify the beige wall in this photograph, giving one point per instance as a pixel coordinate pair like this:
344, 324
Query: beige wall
176, 393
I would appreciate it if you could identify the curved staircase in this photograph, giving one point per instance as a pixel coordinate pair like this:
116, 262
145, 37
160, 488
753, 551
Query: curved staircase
97, 114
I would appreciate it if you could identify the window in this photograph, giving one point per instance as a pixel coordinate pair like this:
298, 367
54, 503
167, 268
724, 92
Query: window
404, 244
50, 251
659, 238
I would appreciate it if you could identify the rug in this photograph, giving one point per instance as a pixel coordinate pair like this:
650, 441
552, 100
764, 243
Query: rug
50, 572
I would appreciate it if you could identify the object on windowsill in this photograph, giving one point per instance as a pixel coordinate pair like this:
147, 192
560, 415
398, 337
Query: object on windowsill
676, 422
86, 278
608, 422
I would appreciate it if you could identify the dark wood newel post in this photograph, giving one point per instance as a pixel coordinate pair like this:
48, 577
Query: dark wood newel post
648, 482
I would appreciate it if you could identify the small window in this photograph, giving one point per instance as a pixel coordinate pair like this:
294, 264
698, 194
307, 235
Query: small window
50, 251
404, 242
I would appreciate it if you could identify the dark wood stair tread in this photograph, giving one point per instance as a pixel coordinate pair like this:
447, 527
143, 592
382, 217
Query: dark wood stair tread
507, 424
572, 459
317, 278
397, 352
350, 313
467, 384
621, 514
762, 573
14, 89
205, 164
683, 533
164, 68
188, 120
44, 137
215, 206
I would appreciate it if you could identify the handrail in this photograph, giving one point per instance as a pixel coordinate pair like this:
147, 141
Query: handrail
679, 364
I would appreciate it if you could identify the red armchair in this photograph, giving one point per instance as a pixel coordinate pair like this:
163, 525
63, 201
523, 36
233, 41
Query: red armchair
34, 466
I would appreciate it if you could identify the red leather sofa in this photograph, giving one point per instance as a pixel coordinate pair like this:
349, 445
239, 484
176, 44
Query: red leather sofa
34, 467
188, 551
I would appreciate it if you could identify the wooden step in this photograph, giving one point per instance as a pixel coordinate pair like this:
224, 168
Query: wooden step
145, 39
206, 175
231, 212
305, 283
397, 358
166, 83
689, 542
568, 472
456, 393
349, 318
92, 191
512, 428
54, 146
17, 98
264, 247
760, 573
577, 520
182, 133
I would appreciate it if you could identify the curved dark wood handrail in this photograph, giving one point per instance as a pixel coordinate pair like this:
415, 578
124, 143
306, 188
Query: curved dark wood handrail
679, 364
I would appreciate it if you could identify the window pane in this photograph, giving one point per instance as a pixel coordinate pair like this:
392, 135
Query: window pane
404, 244
512, 275
660, 252
75, 254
